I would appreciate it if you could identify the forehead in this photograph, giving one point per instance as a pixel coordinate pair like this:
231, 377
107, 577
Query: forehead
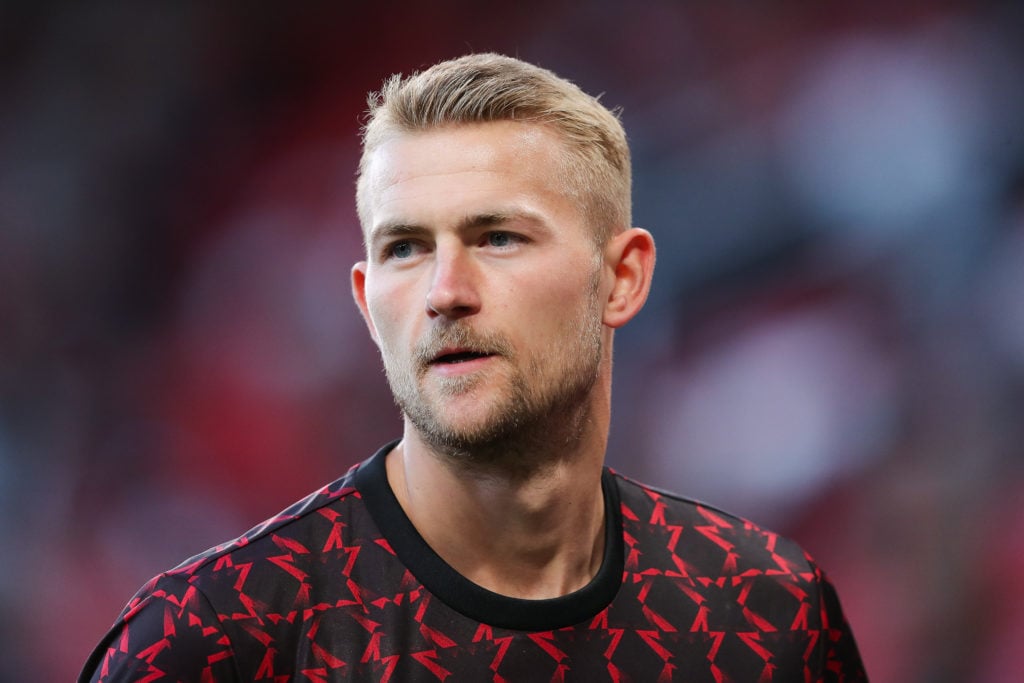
462, 164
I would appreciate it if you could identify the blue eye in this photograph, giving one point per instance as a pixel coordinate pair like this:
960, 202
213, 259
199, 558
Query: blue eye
499, 239
401, 250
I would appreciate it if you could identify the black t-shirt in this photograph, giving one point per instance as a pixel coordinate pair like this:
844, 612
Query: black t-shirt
340, 586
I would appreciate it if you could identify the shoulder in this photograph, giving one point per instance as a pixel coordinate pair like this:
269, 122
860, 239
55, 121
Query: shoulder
305, 522
712, 541
742, 577
187, 619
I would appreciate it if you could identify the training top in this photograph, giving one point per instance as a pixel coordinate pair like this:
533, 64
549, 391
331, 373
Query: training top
341, 586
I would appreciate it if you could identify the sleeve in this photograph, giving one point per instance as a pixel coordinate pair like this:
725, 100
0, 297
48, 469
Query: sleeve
168, 632
841, 662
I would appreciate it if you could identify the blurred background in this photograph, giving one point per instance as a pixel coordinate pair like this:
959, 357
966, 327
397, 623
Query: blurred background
834, 345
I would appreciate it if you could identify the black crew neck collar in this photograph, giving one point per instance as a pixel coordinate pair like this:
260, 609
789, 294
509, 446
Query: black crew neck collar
474, 601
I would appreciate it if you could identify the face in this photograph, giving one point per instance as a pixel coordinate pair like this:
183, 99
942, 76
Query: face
482, 284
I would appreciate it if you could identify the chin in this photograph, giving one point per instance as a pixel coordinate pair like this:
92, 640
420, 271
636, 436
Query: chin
480, 428
476, 424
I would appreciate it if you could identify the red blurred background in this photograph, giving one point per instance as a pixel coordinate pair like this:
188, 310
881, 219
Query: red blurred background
834, 345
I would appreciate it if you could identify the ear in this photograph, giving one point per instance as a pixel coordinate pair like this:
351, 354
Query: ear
629, 260
359, 294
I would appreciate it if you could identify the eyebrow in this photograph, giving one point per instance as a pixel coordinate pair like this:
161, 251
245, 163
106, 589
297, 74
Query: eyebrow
396, 229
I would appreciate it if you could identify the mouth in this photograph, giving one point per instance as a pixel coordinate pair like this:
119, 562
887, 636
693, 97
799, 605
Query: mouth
457, 356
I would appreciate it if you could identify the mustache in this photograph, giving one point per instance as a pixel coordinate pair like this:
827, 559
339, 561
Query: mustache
462, 336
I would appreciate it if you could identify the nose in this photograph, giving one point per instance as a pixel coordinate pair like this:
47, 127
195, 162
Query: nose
453, 290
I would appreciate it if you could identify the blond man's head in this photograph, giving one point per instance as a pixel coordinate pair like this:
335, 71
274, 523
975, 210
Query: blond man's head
481, 88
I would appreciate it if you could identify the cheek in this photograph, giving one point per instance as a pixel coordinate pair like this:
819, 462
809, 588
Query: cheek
386, 308
555, 303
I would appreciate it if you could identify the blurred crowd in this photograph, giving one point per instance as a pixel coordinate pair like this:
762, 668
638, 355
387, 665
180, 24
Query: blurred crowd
834, 345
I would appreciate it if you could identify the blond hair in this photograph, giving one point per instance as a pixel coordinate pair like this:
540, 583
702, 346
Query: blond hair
480, 88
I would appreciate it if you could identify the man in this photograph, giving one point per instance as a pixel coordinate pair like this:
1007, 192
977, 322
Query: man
490, 543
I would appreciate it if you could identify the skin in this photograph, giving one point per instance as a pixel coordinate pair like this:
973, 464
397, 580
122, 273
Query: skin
476, 253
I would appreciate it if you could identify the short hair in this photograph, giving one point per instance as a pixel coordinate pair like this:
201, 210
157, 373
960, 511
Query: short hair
488, 87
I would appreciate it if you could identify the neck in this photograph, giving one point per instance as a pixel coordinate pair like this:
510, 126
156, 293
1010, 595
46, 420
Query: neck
529, 532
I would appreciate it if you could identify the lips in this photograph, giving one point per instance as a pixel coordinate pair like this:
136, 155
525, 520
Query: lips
456, 356
458, 349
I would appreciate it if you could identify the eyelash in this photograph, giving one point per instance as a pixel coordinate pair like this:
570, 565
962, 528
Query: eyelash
513, 238
388, 252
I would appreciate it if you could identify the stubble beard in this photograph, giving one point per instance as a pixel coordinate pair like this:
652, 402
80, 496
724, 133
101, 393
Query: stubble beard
538, 410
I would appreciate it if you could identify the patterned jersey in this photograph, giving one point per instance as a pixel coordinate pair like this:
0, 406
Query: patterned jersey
340, 587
